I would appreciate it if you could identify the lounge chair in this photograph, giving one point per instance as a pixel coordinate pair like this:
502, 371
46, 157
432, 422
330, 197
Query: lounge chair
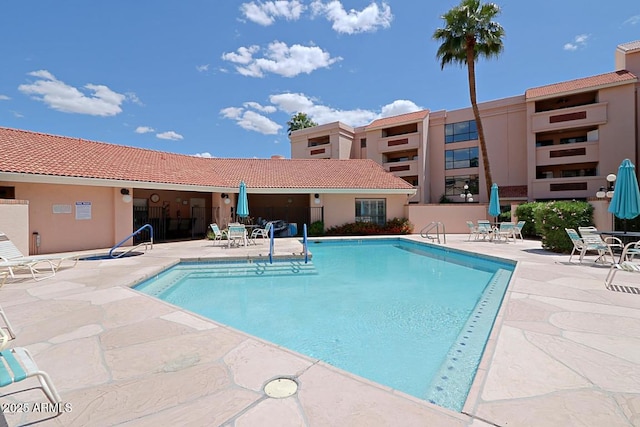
218, 234
17, 364
261, 232
506, 231
582, 245
627, 263
473, 231
590, 234
11, 259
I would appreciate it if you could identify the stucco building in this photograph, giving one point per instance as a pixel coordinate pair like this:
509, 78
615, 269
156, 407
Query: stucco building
558, 141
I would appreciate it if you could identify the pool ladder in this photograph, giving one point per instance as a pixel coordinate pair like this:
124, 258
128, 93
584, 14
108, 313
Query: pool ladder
437, 225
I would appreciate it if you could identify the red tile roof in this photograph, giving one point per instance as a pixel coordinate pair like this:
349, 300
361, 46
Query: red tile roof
601, 80
27, 152
627, 47
396, 120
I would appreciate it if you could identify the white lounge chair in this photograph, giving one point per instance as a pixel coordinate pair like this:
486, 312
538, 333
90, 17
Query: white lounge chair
627, 263
583, 245
11, 259
17, 364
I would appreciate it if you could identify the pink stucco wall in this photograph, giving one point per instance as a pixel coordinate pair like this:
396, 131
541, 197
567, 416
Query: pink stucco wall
340, 208
452, 216
111, 219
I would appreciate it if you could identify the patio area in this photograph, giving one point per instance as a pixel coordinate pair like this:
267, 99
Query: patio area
564, 351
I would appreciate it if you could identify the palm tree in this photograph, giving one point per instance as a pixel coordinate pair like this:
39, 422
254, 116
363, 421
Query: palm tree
300, 121
469, 34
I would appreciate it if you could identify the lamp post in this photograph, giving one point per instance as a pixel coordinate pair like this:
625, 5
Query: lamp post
467, 196
608, 193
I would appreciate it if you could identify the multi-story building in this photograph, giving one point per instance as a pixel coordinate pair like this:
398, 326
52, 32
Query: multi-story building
558, 141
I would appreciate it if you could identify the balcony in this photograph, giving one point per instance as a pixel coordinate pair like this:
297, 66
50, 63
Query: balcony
567, 118
403, 168
580, 152
319, 151
399, 143
580, 187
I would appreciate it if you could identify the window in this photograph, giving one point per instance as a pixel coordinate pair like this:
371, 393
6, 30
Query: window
461, 131
7, 192
363, 142
454, 185
371, 210
462, 158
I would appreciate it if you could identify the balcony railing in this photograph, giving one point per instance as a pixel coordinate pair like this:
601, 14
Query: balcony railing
399, 143
579, 152
567, 118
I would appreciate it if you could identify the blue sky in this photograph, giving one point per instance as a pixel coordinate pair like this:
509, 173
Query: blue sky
221, 78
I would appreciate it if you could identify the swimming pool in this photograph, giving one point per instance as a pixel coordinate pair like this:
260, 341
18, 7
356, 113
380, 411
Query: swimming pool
407, 315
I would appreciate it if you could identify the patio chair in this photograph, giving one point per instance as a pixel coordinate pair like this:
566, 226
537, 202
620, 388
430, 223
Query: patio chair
485, 229
591, 234
583, 245
473, 230
517, 230
11, 258
261, 232
17, 364
505, 231
626, 263
235, 234
218, 235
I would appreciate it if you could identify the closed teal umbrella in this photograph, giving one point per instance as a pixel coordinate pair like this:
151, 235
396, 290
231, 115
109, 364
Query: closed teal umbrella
625, 203
242, 210
494, 201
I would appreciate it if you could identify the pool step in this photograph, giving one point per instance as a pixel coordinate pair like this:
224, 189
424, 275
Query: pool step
249, 269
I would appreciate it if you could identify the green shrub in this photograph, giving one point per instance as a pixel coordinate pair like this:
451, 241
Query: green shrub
316, 229
504, 217
553, 217
526, 212
393, 226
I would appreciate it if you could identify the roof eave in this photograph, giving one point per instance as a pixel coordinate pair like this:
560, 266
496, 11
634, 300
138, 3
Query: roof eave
582, 90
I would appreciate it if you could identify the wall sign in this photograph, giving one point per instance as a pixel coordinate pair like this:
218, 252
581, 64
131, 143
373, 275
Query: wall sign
83, 210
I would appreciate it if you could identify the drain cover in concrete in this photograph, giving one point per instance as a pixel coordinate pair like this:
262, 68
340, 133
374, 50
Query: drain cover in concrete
281, 388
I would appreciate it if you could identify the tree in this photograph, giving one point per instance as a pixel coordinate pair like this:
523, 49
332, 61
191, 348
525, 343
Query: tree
469, 34
300, 121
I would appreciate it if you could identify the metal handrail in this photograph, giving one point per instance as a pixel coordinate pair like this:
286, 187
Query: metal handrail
271, 245
424, 233
304, 243
138, 231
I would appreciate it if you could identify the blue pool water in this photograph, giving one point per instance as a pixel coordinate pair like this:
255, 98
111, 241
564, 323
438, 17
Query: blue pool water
410, 316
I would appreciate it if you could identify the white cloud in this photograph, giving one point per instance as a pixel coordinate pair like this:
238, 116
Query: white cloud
170, 135
280, 59
144, 129
256, 106
250, 120
100, 100
292, 103
202, 68
397, 107
369, 19
4, 98
132, 97
632, 20
580, 41
205, 154
265, 13
17, 115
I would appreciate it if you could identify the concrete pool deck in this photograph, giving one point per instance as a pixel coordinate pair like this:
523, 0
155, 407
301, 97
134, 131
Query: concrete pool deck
564, 351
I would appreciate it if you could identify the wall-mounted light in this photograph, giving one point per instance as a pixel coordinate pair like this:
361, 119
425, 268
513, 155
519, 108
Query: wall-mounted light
316, 199
126, 197
225, 197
